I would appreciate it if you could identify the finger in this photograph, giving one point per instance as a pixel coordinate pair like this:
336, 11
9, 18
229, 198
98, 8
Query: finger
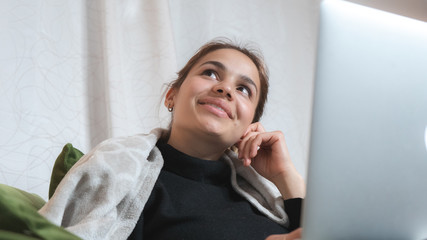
249, 149
243, 143
253, 142
254, 127
247, 162
249, 145
255, 145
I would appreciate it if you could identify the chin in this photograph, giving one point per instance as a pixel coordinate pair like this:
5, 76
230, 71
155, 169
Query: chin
218, 130
214, 128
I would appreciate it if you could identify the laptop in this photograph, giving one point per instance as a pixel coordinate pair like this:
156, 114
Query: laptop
367, 171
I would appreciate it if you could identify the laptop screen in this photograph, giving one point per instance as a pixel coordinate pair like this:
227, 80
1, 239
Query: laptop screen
367, 171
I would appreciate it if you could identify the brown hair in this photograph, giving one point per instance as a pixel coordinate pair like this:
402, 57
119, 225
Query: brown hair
253, 54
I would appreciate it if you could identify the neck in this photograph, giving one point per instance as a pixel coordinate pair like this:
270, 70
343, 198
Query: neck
203, 147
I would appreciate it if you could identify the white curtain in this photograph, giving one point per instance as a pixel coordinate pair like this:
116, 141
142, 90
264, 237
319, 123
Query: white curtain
82, 71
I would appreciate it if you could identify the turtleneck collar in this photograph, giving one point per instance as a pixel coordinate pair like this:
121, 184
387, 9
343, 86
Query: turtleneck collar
206, 171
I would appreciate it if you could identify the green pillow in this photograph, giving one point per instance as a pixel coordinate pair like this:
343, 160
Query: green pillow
19, 218
29, 198
66, 159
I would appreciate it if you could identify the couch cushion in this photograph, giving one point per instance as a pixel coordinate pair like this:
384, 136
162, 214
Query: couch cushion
19, 218
66, 159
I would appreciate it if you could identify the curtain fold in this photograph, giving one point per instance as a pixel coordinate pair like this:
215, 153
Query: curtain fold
82, 71
133, 41
79, 72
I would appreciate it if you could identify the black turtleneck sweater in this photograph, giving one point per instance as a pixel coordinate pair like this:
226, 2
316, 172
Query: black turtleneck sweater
194, 199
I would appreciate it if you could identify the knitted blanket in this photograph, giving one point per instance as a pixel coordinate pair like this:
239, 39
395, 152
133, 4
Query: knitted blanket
104, 193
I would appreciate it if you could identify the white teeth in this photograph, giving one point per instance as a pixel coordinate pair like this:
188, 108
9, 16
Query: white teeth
215, 106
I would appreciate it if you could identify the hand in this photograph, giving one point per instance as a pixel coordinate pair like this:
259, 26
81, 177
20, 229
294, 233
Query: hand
268, 154
294, 235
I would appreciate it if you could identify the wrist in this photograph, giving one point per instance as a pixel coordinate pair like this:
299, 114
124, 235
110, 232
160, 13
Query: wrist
290, 185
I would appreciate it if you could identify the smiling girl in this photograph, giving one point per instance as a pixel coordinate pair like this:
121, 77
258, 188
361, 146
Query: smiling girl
186, 182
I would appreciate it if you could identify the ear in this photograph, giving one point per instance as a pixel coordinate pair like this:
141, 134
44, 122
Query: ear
170, 95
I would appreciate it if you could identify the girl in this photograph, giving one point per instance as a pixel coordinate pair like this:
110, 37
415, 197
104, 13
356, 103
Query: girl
187, 182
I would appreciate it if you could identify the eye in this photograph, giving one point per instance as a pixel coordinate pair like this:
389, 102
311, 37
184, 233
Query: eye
210, 73
245, 90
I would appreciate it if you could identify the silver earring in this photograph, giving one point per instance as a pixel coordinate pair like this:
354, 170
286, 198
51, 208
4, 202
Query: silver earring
170, 109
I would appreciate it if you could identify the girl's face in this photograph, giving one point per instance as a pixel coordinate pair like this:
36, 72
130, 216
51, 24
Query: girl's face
218, 98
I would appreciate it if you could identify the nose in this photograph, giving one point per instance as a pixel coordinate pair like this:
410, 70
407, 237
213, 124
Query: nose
224, 89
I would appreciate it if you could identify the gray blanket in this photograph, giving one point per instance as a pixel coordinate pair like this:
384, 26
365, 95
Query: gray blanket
104, 193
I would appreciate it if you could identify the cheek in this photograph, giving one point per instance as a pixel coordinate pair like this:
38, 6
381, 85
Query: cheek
187, 96
246, 112
194, 86
186, 92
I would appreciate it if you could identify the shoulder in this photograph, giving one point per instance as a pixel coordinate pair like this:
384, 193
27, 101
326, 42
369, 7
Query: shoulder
135, 142
129, 152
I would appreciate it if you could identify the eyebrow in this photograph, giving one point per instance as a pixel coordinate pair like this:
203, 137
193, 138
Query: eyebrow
221, 66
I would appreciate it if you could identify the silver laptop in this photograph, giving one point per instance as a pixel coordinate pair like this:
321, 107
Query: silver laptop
367, 174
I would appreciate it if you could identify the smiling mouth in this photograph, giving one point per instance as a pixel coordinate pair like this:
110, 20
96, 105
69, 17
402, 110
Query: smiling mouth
217, 105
